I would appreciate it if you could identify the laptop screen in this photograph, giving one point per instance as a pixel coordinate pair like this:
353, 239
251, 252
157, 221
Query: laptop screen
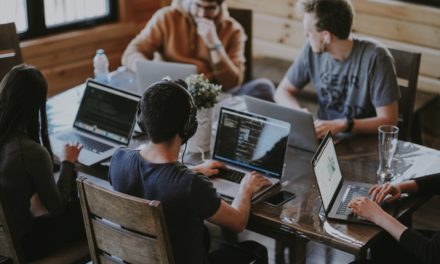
251, 141
327, 171
107, 113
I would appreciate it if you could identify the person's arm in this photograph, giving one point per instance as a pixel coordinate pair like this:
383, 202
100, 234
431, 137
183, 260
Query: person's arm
370, 210
236, 215
53, 196
209, 167
385, 115
285, 94
428, 184
227, 59
143, 46
427, 249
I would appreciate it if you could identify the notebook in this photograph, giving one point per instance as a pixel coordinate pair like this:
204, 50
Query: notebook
248, 142
104, 122
148, 72
302, 132
336, 193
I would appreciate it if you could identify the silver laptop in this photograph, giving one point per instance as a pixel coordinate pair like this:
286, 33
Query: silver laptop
148, 72
104, 122
336, 193
248, 142
302, 132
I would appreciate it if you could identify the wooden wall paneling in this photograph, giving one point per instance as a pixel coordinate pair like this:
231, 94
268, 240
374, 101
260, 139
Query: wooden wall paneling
398, 10
277, 8
401, 30
278, 29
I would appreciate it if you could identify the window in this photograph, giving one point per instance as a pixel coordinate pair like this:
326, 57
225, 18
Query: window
42, 17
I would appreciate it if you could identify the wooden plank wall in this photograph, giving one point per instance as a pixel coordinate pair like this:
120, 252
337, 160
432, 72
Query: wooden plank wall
278, 31
66, 59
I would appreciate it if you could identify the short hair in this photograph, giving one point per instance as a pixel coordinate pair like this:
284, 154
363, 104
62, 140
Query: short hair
219, 2
165, 110
335, 16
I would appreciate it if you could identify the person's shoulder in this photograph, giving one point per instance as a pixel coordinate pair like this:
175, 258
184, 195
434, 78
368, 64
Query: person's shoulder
374, 47
123, 154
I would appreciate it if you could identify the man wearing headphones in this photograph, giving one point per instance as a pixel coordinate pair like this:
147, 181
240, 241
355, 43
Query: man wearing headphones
168, 116
354, 78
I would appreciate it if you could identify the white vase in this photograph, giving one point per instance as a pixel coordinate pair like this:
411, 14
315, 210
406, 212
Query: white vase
201, 140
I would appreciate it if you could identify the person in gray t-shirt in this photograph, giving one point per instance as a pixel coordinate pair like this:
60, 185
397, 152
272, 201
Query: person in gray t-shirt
355, 79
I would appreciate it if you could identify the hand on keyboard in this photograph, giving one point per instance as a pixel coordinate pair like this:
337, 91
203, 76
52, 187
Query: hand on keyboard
71, 152
253, 182
209, 167
386, 192
366, 208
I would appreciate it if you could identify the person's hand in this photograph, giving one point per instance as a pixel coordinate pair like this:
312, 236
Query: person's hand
207, 31
252, 182
364, 207
209, 167
71, 152
379, 193
335, 126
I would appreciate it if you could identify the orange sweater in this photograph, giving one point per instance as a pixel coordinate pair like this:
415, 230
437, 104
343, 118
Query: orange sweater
172, 32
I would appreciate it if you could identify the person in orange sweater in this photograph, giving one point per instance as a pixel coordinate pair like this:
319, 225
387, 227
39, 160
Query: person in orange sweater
202, 33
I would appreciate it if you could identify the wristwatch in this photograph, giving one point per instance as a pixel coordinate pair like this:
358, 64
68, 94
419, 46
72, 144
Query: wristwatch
216, 46
350, 122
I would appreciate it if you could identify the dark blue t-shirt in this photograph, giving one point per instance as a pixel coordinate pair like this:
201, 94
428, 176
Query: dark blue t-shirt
187, 198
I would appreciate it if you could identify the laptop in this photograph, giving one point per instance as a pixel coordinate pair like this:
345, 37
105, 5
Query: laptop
302, 135
336, 193
248, 142
148, 72
104, 122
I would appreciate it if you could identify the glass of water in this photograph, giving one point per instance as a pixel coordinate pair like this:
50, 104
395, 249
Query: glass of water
388, 137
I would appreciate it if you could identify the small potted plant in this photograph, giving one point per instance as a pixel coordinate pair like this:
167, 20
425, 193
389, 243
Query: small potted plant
205, 95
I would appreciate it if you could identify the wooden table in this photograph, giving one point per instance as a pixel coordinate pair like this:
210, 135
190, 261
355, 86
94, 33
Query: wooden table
299, 220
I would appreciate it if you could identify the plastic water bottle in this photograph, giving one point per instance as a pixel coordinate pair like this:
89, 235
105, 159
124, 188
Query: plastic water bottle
100, 65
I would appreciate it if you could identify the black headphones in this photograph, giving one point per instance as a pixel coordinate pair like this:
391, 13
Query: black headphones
189, 127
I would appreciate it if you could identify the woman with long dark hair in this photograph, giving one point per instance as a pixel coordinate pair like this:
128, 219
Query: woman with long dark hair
45, 212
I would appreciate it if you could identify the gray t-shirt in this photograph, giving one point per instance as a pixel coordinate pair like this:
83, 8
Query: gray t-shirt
353, 87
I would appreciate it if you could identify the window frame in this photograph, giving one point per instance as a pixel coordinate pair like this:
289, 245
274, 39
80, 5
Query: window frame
37, 24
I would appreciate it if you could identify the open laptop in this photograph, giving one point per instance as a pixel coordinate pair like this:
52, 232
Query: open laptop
248, 142
302, 133
336, 193
148, 72
104, 122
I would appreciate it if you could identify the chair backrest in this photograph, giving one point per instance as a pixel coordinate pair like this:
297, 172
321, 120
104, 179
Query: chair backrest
407, 70
10, 245
10, 53
244, 17
121, 227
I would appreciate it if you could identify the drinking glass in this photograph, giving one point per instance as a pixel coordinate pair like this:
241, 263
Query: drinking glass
387, 147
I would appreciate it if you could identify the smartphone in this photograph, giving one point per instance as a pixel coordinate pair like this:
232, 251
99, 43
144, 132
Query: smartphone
280, 198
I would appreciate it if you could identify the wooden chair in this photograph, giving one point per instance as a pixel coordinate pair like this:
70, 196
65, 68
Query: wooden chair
407, 70
121, 227
11, 248
244, 17
10, 53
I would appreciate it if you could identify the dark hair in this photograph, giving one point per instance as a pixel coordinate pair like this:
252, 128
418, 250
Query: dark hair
23, 94
335, 16
165, 110
219, 2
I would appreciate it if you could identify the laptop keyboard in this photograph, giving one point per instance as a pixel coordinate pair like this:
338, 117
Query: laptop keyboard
231, 175
88, 143
353, 191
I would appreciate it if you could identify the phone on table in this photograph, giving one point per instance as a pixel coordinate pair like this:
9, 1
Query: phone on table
280, 198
